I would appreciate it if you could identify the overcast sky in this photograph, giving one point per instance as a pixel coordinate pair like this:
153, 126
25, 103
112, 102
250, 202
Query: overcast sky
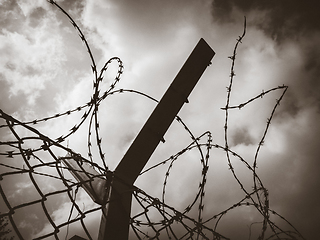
45, 69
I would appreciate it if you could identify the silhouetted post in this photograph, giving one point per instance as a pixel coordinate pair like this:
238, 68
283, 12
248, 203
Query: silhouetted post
116, 216
117, 194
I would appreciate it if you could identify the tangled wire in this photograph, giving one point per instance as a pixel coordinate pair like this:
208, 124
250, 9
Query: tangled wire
30, 150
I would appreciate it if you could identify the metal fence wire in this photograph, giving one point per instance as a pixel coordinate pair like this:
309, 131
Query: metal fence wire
34, 161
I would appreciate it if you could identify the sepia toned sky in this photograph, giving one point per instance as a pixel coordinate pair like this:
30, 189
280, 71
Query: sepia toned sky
45, 69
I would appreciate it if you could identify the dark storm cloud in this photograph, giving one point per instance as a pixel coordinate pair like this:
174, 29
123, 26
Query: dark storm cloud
301, 173
8, 6
4, 96
286, 22
303, 80
242, 136
70, 6
35, 15
12, 12
284, 18
8, 16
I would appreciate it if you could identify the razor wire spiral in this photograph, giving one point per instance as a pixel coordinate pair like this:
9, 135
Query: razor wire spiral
30, 153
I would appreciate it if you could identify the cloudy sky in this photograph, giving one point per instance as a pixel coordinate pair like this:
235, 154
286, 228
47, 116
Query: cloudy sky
45, 69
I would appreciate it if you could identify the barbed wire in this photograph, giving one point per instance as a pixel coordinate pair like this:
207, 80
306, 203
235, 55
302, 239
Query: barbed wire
30, 154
